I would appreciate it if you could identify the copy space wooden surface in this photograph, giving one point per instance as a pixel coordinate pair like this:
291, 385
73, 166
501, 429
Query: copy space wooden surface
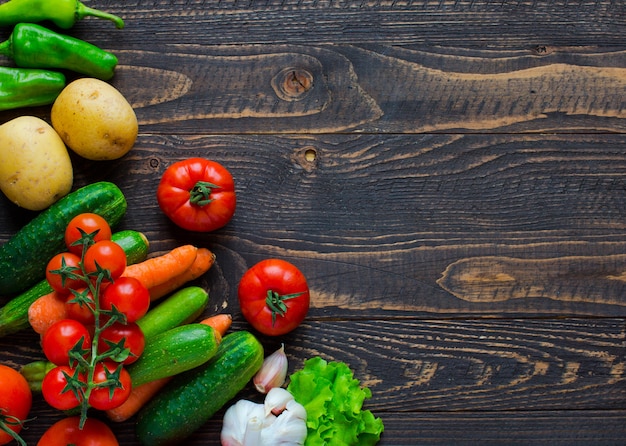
449, 175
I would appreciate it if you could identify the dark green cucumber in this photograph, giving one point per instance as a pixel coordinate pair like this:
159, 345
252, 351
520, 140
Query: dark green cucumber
190, 399
23, 258
174, 351
182, 307
14, 315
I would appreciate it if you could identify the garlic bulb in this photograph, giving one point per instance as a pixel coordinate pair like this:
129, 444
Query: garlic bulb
273, 372
251, 424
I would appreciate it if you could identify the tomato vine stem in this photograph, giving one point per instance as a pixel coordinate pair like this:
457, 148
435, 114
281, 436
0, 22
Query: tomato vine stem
6, 421
276, 303
200, 195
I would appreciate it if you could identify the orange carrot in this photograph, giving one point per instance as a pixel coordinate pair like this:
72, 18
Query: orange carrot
139, 396
220, 322
45, 311
203, 262
156, 270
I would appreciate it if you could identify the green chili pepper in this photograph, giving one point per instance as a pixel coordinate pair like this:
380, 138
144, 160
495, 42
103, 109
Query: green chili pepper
28, 87
63, 13
33, 46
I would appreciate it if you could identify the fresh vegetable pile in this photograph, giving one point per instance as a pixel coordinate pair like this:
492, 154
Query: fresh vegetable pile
122, 331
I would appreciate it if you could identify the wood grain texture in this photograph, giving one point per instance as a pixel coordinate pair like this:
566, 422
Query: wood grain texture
372, 89
450, 175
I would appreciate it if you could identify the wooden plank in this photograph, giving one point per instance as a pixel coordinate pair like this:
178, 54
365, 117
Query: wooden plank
371, 89
559, 428
482, 23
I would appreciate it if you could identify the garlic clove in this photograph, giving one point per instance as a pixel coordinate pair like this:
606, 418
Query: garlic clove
289, 428
296, 409
273, 372
276, 400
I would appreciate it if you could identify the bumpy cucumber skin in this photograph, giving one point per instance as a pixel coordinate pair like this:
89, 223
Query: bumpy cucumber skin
174, 351
195, 396
182, 307
24, 256
14, 315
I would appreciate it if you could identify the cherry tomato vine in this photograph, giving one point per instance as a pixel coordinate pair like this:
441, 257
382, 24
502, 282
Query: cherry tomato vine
91, 373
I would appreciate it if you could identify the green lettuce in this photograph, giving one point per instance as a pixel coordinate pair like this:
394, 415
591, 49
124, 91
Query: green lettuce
333, 400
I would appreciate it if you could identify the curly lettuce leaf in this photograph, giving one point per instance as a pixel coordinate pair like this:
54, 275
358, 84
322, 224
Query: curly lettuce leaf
333, 400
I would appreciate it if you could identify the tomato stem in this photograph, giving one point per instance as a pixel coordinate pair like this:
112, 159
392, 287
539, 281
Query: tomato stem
6, 421
276, 303
200, 195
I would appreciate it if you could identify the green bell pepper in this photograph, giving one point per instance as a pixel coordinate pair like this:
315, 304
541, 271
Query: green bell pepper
29, 87
63, 13
33, 46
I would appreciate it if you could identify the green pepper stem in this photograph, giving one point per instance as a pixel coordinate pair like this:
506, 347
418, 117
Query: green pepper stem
83, 11
6, 48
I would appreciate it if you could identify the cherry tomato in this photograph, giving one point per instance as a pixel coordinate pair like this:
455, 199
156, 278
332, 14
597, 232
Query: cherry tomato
89, 223
55, 389
197, 194
107, 255
63, 336
131, 333
274, 296
67, 431
101, 398
15, 401
129, 296
67, 262
82, 312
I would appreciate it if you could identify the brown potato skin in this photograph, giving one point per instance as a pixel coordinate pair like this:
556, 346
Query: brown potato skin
95, 120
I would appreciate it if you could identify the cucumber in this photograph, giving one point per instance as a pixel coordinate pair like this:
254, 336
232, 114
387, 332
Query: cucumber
174, 351
23, 258
14, 315
182, 307
193, 397
134, 243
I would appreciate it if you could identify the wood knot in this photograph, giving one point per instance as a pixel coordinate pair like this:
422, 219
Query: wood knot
307, 158
542, 50
293, 84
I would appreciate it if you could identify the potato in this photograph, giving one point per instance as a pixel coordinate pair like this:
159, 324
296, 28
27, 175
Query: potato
35, 166
94, 120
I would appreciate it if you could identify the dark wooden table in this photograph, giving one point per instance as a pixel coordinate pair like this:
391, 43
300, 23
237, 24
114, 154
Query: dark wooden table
450, 176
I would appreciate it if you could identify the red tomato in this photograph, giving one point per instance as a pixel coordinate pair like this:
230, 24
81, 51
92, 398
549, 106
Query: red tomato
89, 223
15, 401
63, 336
81, 311
197, 194
67, 431
128, 295
55, 390
58, 272
101, 398
131, 333
107, 255
274, 296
